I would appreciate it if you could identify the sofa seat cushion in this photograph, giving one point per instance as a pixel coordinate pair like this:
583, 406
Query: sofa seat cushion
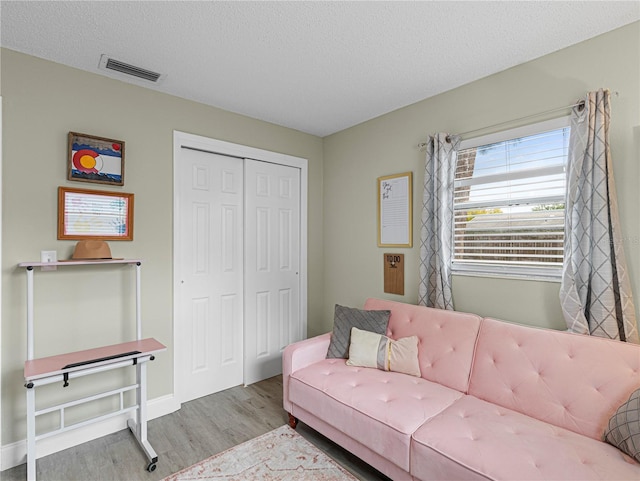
478, 440
379, 409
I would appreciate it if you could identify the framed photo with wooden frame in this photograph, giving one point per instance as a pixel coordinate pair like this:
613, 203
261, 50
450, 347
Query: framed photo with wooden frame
94, 214
395, 210
95, 159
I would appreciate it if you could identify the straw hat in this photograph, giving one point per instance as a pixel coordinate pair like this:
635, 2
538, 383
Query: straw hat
91, 250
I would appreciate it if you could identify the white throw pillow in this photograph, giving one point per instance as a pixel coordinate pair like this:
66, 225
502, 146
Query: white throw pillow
368, 349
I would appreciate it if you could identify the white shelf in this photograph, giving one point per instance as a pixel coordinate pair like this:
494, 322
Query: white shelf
79, 263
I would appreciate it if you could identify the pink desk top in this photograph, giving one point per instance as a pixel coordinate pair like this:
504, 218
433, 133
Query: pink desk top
54, 365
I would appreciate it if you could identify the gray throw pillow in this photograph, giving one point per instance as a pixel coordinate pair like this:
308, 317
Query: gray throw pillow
623, 431
347, 317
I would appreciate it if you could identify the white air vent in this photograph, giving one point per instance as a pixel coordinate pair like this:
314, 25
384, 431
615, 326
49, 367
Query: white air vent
108, 63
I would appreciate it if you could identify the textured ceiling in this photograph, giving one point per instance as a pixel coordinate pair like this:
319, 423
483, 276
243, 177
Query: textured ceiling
318, 67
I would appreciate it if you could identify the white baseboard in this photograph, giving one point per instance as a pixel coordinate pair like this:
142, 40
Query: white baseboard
15, 454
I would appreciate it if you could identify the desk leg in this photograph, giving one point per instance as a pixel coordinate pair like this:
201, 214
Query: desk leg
31, 434
139, 426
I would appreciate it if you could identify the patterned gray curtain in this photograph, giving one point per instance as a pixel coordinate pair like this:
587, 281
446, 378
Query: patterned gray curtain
436, 233
595, 292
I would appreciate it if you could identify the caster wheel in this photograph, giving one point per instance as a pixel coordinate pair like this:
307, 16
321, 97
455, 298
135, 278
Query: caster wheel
152, 467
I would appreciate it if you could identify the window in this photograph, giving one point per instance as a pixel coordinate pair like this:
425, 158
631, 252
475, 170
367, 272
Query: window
509, 202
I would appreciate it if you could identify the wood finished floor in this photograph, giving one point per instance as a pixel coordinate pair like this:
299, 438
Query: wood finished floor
201, 428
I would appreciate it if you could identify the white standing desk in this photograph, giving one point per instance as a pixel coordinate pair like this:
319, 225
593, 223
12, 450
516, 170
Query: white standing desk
64, 367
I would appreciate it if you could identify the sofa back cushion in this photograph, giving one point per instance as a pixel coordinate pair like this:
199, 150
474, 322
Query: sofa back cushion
446, 339
573, 381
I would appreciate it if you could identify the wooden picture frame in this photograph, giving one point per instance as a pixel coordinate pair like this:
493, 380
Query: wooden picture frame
94, 214
95, 159
395, 210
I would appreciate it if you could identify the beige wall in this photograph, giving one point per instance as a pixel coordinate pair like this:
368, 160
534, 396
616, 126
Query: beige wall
81, 308
355, 157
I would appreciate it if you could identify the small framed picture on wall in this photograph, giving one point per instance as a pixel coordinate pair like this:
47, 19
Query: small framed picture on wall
94, 214
395, 212
95, 159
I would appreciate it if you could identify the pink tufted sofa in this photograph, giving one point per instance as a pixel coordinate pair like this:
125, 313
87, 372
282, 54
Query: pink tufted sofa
495, 401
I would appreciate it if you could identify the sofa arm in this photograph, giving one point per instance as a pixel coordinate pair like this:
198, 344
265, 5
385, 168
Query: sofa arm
300, 355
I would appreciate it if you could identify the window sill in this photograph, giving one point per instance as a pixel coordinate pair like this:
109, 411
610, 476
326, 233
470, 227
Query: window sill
537, 277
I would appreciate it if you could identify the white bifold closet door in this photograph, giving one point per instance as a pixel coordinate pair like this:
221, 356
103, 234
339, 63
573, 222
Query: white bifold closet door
239, 256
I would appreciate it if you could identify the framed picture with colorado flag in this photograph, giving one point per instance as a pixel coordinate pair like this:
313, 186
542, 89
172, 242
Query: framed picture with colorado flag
95, 159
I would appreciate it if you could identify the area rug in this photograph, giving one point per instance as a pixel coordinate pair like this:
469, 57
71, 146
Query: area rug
279, 455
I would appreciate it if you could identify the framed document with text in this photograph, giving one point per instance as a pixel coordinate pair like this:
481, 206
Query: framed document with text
395, 216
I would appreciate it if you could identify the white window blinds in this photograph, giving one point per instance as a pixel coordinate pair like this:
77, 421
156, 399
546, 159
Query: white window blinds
509, 202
